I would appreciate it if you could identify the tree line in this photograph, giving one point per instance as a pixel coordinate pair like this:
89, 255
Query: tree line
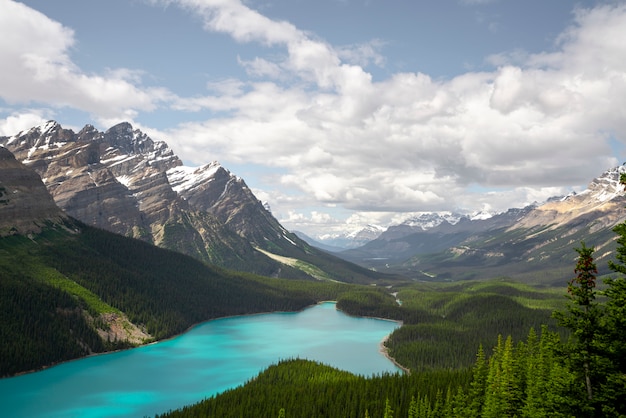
41, 323
543, 375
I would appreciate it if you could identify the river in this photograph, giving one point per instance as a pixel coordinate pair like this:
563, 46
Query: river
208, 359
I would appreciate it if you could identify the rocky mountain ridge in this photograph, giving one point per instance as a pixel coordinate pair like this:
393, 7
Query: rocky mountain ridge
25, 204
538, 239
123, 181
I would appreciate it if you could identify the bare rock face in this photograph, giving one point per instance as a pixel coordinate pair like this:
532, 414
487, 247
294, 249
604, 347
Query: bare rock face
123, 181
215, 190
113, 180
600, 206
25, 203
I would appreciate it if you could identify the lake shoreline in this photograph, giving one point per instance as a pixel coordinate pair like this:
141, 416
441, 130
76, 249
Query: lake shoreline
382, 348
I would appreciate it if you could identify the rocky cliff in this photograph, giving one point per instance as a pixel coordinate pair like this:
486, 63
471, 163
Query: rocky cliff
25, 204
123, 181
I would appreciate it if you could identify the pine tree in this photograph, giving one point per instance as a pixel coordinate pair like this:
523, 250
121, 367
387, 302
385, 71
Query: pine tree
582, 319
613, 343
613, 330
546, 379
388, 410
478, 385
502, 394
413, 408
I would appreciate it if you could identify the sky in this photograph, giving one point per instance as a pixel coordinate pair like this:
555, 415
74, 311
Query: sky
338, 113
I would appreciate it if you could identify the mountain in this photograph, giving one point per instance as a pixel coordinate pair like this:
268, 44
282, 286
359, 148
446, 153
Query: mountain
123, 181
25, 204
68, 290
534, 243
315, 243
340, 241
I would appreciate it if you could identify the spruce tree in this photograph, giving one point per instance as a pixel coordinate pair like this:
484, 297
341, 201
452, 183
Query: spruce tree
478, 384
583, 319
492, 406
388, 410
613, 330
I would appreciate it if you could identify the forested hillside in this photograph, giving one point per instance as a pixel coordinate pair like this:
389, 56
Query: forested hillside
60, 286
576, 370
571, 371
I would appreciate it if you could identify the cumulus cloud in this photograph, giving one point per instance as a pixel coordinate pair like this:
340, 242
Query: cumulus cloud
20, 121
534, 124
36, 67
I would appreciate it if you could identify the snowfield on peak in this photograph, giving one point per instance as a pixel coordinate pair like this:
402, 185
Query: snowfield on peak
184, 178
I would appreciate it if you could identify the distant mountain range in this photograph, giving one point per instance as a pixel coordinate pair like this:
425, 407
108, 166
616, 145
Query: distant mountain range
123, 181
534, 243
344, 240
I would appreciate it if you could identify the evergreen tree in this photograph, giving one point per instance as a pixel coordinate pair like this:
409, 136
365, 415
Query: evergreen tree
502, 395
613, 330
413, 408
478, 385
583, 319
388, 410
546, 378
613, 343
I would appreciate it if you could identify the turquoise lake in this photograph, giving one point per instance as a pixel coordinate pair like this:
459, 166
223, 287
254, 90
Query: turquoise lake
210, 358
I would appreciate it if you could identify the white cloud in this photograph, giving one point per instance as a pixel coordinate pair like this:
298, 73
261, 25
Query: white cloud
36, 67
363, 54
21, 121
260, 67
535, 124
413, 143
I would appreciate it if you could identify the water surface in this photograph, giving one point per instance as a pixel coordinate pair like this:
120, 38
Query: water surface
210, 358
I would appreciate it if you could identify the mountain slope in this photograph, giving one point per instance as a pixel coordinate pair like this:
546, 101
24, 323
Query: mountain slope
123, 181
68, 290
535, 243
25, 204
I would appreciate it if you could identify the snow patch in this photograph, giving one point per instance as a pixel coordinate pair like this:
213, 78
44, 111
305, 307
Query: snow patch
125, 180
285, 236
185, 178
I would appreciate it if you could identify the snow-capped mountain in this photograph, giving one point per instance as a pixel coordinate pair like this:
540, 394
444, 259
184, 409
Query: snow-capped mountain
123, 181
428, 220
603, 198
537, 238
350, 238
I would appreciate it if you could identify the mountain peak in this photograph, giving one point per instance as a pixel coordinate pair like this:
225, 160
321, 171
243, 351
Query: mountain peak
44, 135
607, 186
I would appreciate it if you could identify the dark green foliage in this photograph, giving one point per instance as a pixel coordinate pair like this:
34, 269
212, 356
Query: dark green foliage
582, 319
308, 389
40, 325
612, 341
442, 328
370, 302
162, 290
442, 325
612, 334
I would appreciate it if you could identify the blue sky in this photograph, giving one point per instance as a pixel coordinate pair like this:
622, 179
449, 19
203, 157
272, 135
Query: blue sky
338, 113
